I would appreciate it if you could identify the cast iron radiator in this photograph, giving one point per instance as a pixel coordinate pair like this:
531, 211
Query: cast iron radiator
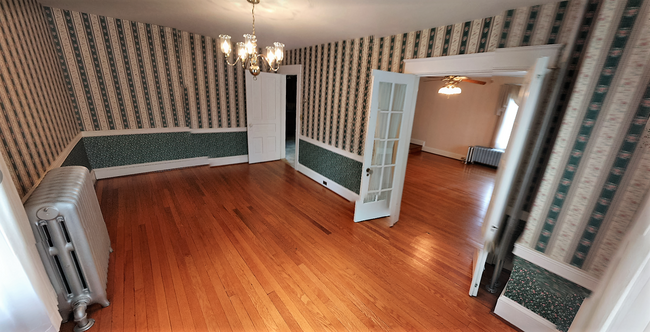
72, 240
483, 155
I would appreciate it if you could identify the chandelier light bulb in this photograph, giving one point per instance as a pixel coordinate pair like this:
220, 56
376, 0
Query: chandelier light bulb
279, 51
225, 44
241, 51
270, 54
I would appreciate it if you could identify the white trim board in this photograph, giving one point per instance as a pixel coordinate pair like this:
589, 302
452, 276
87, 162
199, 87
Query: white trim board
228, 160
112, 172
134, 131
417, 141
522, 317
342, 152
218, 130
443, 153
160, 131
564, 270
331, 185
56, 163
513, 61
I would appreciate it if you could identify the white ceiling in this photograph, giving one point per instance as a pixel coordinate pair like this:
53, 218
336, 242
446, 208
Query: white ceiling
297, 23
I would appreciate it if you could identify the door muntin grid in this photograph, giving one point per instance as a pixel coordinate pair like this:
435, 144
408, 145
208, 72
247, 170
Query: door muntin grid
386, 141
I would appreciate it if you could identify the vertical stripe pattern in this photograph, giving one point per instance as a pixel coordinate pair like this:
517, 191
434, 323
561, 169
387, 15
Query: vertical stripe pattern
594, 107
37, 118
127, 75
344, 103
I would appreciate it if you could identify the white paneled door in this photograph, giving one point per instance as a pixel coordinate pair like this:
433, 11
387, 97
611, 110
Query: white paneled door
265, 106
388, 134
494, 218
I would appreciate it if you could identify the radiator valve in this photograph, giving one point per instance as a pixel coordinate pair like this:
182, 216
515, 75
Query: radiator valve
80, 316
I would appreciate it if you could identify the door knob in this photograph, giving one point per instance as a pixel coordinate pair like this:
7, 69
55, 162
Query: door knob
368, 171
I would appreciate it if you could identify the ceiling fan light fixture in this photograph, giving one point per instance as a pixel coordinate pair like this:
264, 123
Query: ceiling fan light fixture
449, 89
247, 50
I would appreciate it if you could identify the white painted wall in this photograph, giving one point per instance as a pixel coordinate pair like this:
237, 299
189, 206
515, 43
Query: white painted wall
27, 298
449, 125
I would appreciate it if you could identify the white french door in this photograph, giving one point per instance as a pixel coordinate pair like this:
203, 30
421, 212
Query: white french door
494, 218
388, 134
265, 105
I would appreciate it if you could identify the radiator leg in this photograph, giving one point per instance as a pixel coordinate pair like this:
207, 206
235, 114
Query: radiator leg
83, 322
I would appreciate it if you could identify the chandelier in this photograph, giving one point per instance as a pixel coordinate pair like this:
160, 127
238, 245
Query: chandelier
247, 50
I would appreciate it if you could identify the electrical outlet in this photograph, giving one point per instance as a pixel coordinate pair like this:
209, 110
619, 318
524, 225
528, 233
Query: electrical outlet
325, 183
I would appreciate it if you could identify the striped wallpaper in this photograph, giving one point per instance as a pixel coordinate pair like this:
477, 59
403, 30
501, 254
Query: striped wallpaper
36, 114
130, 75
600, 164
337, 75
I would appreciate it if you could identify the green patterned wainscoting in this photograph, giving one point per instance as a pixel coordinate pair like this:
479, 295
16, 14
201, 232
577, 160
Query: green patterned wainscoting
545, 293
78, 156
217, 145
340, 169
120, 150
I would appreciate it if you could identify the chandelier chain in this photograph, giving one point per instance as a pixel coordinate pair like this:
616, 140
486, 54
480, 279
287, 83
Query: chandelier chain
253, 12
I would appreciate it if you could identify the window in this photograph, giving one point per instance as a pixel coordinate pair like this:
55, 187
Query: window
505, 127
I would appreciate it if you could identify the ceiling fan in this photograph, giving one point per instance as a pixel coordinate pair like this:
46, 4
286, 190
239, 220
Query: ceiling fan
451, 84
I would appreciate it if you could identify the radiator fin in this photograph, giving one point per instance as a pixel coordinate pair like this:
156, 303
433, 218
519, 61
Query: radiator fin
484, 155
71, 235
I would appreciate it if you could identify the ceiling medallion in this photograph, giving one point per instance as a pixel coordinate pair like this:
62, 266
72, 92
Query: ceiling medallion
247, 50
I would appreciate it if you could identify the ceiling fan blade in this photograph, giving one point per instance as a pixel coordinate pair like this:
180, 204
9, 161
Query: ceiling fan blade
469, 80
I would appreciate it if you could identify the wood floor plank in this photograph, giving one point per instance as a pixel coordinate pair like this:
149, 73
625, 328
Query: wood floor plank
263, 248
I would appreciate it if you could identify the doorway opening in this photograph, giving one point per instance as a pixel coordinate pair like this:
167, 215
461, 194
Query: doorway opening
290, 120
444, 127
501, 218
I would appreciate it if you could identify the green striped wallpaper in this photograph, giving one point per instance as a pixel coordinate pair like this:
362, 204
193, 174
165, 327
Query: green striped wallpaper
36, 115
130, 75
599, 167
337, 75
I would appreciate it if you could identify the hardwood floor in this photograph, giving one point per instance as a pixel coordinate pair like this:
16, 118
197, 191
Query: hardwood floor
261, 247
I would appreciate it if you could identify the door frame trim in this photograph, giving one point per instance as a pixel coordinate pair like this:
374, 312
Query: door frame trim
293, 70
515, 61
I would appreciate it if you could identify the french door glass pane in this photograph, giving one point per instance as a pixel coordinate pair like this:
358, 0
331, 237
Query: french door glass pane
387, 182
395, 125
398, 97
390, 152
382, 125
375, 178
378, 152
384, 96
371, 197
384, 195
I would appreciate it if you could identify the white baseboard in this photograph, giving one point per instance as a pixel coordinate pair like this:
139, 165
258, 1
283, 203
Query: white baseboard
562, 269
228, 160
521, 317
331, 185
443, 153
417, 141
112, 172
